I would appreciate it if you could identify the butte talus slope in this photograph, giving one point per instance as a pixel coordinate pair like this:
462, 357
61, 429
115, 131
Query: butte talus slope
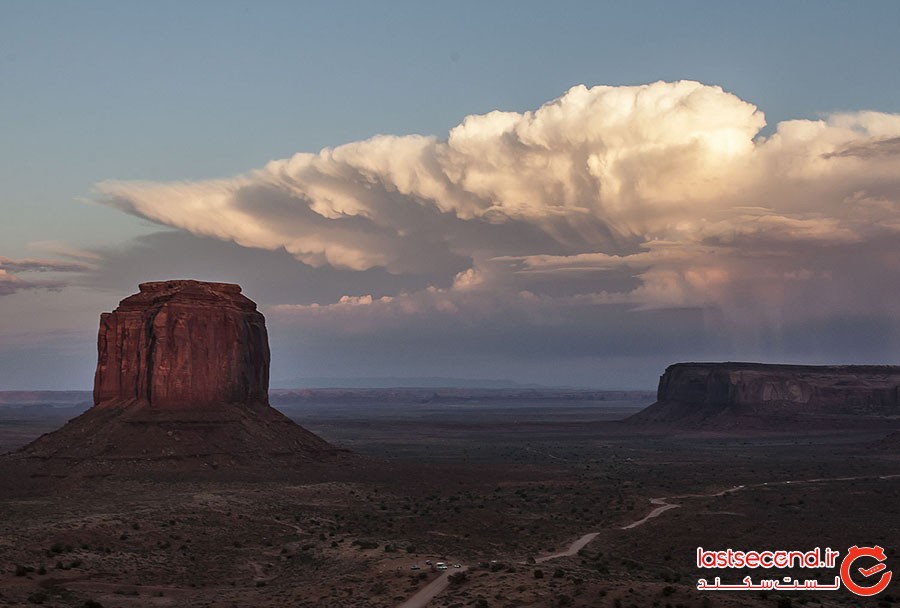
739, 396
182, 374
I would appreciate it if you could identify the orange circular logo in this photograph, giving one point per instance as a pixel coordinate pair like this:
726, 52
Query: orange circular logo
854, 553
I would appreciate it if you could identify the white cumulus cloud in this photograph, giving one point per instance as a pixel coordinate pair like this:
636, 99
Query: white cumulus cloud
662, 195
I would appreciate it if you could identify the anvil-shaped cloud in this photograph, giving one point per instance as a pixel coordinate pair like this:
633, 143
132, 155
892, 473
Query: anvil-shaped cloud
657, 196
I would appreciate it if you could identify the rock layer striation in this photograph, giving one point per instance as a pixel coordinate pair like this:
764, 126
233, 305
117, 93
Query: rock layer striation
707, 394
183, 344
183, 374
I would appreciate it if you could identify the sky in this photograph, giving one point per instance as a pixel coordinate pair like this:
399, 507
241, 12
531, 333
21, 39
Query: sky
568, 194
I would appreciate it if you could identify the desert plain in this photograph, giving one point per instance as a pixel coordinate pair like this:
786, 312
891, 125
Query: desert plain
492, 480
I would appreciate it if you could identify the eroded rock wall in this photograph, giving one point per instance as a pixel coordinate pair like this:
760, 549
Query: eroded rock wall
873, 388
707, 392
183, 344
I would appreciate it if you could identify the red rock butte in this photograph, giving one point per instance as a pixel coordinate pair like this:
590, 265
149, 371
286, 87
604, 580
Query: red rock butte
183, 344
182, 375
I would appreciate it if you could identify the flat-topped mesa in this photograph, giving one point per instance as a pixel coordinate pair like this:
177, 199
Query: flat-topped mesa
707, 392
782, 386
182, 344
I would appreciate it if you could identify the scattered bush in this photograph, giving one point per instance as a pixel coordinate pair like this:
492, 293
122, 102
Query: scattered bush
457, 578
365, 544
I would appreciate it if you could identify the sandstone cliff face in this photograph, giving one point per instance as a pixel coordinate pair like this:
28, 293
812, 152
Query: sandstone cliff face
707, 392
183, 343
182, 377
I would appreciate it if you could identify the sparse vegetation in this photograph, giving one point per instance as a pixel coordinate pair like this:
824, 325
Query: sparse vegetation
289, 537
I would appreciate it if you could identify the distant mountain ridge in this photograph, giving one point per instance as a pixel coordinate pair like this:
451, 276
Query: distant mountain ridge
400, 382
46, 398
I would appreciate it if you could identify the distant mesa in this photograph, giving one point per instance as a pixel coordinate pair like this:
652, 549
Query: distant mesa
182, 372
753, 395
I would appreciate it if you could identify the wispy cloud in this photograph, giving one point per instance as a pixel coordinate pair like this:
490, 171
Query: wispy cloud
10, 268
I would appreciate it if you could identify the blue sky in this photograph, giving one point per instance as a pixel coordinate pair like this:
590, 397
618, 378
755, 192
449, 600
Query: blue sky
166, 91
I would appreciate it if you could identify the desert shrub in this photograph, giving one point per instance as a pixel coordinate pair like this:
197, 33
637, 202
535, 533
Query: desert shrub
457, 578
365, 544
38, 597
91, 604
538, 574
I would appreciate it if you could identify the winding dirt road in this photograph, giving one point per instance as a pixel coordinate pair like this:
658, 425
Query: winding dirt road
661, 505
574, 548
431, 590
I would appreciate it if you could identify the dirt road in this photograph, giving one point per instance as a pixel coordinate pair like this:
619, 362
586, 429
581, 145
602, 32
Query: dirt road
431, 590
